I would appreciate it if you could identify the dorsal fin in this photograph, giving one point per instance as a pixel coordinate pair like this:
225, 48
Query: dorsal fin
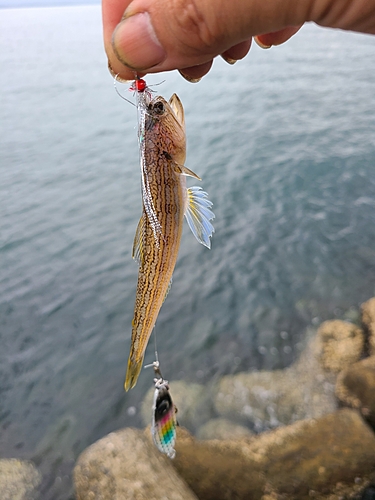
178, 109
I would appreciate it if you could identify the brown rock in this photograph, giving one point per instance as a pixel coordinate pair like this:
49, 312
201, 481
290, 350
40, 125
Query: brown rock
126, 465
19, 480
368, 321
221, 428
355, 388
268, 399
306, 459
217, 470
342, 344
359, 489
258, 398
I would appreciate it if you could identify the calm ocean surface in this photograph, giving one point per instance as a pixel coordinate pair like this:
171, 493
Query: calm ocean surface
285, 144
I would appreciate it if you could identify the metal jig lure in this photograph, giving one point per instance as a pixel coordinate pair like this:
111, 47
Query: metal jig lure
164, 422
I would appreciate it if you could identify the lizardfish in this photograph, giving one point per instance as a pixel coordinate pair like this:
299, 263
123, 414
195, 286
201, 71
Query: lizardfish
166, 201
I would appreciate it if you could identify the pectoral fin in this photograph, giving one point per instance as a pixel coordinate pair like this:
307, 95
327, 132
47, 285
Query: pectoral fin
181, 169
198, 215
137, 252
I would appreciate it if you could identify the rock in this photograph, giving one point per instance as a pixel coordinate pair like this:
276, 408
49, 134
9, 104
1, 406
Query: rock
126, 465
309, 458
217, 470
342, 344
368, 321
190, 400
359, 489
19, 480
265, 400
355, 388
221, 428
262, 400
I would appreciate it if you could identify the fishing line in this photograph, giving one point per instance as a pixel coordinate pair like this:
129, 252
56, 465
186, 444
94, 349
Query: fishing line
156, 352
155, 345
156, 84
118, 93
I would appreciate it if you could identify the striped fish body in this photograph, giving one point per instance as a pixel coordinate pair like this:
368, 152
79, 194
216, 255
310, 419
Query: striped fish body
165, 202
158, 234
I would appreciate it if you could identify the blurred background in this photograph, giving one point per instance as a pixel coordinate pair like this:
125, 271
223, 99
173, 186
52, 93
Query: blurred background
285, 144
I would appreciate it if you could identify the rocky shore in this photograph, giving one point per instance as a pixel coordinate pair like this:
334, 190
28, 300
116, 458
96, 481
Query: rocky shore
304, 432
19, 480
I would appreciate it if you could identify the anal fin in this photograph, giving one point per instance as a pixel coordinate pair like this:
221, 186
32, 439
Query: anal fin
168, 289
137, 252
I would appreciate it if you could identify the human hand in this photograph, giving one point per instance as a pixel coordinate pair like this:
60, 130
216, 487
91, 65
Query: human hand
150, 36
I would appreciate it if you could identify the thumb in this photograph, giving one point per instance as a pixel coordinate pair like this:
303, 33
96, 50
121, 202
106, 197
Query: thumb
161, 35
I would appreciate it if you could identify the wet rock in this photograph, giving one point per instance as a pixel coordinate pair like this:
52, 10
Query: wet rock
191, 400
307, 459
358, 489
222, 428
217, 470
126, 465
355, 388
267, 399
368, 321
342, 344
262, 400
19, 480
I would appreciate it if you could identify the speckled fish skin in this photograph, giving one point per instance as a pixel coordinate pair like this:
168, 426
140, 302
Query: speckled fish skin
164, 148
165, 202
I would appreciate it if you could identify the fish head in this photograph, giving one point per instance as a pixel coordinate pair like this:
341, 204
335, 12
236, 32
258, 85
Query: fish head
167, 120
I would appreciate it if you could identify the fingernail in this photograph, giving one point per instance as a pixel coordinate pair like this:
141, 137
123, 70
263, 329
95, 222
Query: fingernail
116, 75
229, 60
189, 78
261, 45
135, 43
111, 70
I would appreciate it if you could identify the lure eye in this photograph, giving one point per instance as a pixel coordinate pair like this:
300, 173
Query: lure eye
159, 108
163, 407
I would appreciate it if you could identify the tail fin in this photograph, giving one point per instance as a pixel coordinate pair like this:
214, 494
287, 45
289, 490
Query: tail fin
132, 374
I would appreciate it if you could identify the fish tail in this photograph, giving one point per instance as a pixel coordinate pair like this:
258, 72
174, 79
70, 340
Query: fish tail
132, 373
